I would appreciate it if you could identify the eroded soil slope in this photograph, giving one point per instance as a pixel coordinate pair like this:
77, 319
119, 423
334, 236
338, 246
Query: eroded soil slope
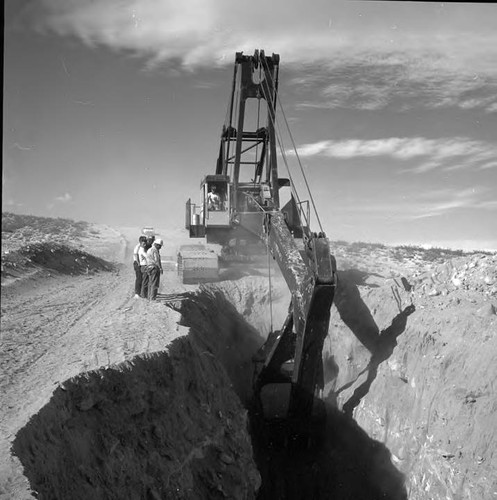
411, 355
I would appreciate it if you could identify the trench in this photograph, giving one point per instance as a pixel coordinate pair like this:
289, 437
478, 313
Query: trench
178, 424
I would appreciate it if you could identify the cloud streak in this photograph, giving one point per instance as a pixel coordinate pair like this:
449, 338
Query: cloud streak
65, 198
430, 154
407, 77
439, 202
11, 203
435, 203
59, 200
422, 205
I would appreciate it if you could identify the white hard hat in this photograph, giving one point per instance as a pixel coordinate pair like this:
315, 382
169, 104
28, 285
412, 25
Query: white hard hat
159, 241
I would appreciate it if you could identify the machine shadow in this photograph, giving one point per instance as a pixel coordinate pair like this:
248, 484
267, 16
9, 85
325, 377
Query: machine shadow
357, 277
383, 350
353, 311
357, 316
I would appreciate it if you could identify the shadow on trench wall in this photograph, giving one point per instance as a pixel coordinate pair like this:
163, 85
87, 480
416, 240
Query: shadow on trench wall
217, 326
165, 425
383, 350
357, 316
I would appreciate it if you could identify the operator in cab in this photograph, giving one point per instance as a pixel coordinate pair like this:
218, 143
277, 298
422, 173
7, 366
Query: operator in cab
213, 199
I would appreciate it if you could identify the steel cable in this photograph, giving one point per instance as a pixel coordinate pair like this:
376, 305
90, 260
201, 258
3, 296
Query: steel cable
296, 152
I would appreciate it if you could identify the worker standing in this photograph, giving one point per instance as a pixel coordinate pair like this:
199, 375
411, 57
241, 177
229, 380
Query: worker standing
142, 258
142, 240
154, 268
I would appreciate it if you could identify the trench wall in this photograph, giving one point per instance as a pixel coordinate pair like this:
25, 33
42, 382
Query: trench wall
344, 462
165, 425
174, 424
418, 380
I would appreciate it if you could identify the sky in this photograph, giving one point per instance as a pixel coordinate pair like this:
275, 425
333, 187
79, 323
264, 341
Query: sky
113, 110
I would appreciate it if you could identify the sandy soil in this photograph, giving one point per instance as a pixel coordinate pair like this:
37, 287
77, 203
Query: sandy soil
410, 355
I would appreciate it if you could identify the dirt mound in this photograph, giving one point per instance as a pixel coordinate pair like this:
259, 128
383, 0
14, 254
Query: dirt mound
53, 257
33, 245
33, 227
21, 230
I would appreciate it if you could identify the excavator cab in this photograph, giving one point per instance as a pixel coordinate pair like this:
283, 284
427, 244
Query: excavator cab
213, 210
215, 193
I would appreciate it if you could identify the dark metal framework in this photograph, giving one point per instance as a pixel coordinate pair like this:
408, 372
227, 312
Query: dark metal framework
254, 78
254, 211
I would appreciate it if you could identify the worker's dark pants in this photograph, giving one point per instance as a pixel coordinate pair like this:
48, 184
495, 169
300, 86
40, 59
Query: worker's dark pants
138, 280
144, 285
153, 282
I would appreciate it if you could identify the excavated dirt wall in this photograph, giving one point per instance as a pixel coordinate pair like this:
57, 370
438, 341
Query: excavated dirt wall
413, 361
345, 462
175, 424
168, 425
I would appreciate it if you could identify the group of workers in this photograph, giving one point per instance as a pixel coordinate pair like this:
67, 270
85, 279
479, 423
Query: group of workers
148, 267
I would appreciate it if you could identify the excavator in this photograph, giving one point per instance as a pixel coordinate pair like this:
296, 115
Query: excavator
240, 210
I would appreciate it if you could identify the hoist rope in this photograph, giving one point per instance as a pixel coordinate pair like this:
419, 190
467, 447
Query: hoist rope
278, 99
235, 117
257, 128
270, 285
279, 138
228, 108
300, 164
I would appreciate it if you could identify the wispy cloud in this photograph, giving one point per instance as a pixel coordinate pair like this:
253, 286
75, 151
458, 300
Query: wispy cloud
406, 78
492, 108
352, 64
487, 205
446, 153
439, 202
204, 85
422, 204
492, 164
10, 203
58, 200
65, 198
18, 146
435, 203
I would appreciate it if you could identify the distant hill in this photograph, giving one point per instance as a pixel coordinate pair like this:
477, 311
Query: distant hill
346, 252
31, 243
17, 227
